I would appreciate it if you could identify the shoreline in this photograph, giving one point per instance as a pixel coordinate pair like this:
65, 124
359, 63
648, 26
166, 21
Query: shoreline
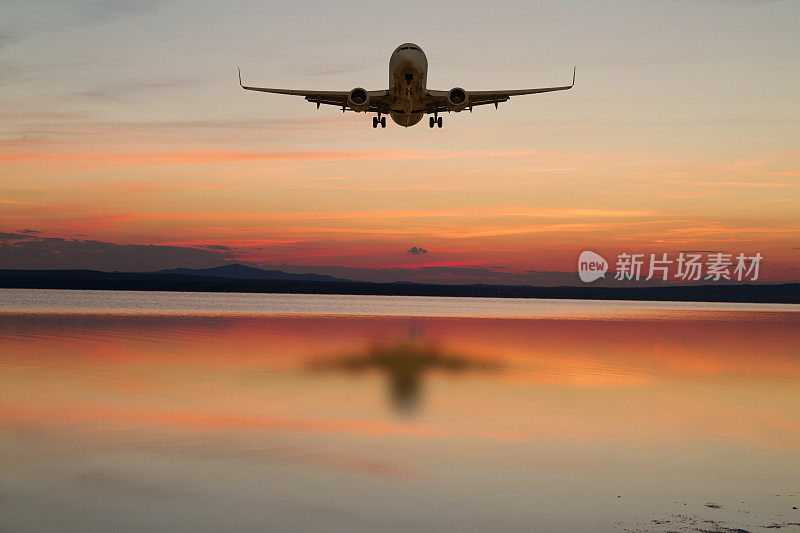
788, 293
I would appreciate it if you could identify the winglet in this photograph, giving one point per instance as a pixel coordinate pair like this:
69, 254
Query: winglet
240, 78
573, 77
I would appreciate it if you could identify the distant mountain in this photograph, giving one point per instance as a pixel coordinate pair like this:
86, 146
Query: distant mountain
238, 271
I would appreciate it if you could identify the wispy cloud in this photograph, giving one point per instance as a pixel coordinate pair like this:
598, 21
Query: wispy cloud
30, 251
125, 90
233, 156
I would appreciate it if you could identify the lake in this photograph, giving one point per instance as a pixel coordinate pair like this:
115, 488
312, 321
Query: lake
132, 411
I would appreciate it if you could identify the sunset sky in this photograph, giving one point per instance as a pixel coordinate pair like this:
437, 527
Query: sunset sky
122, 125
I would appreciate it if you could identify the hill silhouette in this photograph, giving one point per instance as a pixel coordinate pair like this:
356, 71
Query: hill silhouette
160, 281
239, 271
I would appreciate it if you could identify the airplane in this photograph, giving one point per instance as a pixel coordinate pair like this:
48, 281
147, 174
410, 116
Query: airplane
407, 99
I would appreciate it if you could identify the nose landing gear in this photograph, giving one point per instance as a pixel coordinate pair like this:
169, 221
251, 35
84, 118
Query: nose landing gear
435, 120
378, 120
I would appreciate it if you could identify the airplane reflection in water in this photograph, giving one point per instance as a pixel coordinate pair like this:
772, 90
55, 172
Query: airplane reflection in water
404, 362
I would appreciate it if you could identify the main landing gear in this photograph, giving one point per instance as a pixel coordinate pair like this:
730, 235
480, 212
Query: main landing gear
378, 120
435, 120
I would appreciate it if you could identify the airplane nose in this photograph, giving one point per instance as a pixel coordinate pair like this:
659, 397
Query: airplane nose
405, 58
408, 61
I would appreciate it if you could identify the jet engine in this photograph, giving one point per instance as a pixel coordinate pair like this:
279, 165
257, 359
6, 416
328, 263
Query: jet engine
358, 99
457, 99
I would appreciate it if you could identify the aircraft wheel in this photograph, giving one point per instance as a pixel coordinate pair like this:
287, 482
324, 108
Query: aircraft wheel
374, 122
383, 122
430, 122
439, 122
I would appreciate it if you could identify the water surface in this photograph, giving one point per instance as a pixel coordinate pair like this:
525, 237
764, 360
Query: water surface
192, 411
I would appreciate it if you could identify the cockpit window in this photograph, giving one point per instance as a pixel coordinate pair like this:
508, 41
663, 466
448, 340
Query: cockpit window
408, 48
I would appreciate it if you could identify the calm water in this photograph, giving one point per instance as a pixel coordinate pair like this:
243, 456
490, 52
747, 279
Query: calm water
236, 412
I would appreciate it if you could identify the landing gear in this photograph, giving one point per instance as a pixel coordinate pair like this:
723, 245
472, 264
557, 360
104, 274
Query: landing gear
435, 120
439, 122
378, 120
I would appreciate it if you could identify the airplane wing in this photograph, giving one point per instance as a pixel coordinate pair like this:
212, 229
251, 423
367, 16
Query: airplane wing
476, 98
378, 101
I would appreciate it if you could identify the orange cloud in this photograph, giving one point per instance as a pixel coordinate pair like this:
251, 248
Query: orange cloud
106, 159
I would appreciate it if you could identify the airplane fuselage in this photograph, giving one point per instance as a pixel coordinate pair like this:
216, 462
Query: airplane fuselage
408, 70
